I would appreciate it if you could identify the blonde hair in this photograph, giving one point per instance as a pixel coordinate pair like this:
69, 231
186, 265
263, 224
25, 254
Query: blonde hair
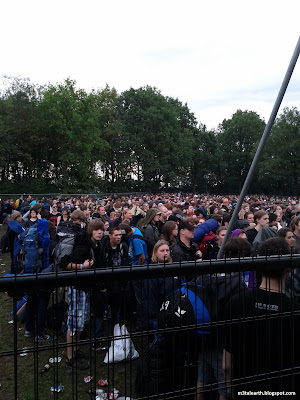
15, 216
156, 247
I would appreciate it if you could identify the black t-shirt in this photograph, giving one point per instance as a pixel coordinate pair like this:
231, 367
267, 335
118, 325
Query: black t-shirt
53, 218
251, 235
263, 339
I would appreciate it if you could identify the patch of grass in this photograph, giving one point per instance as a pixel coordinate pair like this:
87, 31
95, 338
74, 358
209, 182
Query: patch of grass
20, 376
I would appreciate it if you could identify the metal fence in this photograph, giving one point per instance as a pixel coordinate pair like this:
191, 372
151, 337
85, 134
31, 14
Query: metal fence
154, 332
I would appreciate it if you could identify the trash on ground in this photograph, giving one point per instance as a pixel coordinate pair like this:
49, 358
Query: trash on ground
102, 382
55, 360
58, 388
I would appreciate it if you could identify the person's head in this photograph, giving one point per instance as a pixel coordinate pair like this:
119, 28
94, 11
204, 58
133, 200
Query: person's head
126, 214
261, 218
125, 227
164, 213
45, 214
246, 207
95, 229
161, 252
115, 235
32, 213
272, 247
192, 220
220, 234
37, 207
249, 216
105, 223
287, 235
295, 224
16, 216
237, 247
218, 218
170, 230
239, 233
78, 216
186, 231
54, 208
87, 213
101, 211
65, 210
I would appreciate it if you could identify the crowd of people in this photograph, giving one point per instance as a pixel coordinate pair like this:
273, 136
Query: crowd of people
115, 231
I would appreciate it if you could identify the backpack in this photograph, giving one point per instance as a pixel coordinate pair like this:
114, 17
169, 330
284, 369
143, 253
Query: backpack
204, 242
200, 304
7, 241
34, 244
66, 234
188, 306
57, 315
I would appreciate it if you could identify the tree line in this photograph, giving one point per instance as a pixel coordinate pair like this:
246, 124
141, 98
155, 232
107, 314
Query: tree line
61, 138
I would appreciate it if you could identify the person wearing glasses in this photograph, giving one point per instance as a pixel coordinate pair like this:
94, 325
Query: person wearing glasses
55, 214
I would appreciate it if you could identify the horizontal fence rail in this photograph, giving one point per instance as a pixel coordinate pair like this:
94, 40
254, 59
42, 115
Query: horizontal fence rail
165, 331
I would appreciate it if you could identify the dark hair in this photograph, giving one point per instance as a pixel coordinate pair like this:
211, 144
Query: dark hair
283, 232
237, 247
167, 229
199, 211
45, 214
112, 229
94, 225
217, 217
125, 227
273, 247
247, 214
226, 217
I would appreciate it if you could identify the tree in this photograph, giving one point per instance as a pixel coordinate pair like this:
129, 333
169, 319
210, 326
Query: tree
238, 138
69, 124
279, 170
158, 131
206, 161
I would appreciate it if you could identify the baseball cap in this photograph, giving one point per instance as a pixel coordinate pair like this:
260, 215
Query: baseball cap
186, 225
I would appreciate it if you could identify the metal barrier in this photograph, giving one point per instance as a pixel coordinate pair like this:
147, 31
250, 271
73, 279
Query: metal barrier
169, 340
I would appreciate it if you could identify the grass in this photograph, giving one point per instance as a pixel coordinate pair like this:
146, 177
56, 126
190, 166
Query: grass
21, 375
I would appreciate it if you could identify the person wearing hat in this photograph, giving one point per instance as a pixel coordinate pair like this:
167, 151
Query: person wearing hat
185, 249
238, 233
148, 227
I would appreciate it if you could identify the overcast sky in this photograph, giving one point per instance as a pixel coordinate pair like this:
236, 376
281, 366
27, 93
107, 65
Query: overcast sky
217, 56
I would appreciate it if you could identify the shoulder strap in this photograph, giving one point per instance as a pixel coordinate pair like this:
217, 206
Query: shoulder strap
139, 237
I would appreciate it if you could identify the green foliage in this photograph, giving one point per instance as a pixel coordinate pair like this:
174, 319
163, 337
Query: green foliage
280, 167
159, 135
61, 138
238, 138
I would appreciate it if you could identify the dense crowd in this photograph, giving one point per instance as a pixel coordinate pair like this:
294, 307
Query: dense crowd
115, 231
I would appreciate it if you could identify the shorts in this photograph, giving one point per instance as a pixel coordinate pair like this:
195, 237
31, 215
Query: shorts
79, 310
210, 370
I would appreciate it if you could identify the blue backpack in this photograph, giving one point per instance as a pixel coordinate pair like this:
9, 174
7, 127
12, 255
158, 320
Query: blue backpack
200, 305
33, 256
189, 307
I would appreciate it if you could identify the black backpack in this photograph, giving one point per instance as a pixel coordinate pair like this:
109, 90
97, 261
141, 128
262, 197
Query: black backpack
7, 241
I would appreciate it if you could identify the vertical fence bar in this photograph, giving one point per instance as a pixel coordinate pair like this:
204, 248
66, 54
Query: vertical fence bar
261, 145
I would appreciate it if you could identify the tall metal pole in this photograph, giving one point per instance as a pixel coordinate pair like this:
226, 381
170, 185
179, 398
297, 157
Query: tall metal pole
261, 145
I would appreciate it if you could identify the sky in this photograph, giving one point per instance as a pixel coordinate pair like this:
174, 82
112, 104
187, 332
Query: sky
217, 56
